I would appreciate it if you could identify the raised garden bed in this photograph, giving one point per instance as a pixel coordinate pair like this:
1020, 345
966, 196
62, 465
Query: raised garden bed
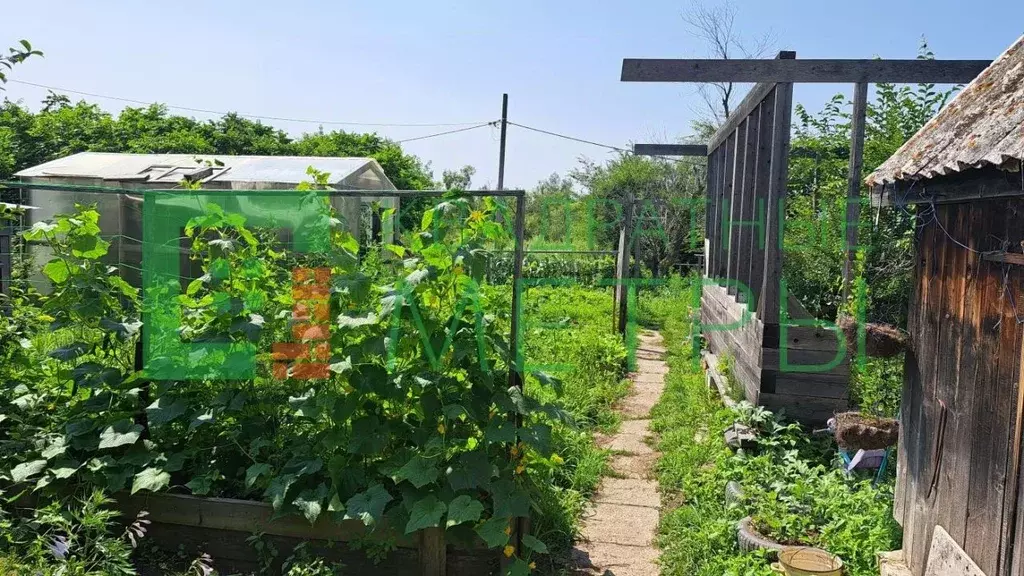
220, 527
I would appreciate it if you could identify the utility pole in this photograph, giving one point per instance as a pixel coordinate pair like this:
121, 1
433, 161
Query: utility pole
501, 152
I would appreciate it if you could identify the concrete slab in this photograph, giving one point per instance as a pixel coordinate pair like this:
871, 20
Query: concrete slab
629, 492
621, 524
613, 559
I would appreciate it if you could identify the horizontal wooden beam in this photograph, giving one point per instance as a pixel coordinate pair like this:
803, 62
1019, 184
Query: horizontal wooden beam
971, 185
670, 149
1004, 257
786, 70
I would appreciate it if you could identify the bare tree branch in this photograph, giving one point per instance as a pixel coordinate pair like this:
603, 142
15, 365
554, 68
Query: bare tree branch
716, 26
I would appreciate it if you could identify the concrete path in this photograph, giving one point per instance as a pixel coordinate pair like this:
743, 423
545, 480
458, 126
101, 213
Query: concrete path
620, 526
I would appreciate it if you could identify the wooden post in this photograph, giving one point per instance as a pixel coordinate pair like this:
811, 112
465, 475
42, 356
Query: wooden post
725, 203
860, 103
625, 237
433, 557
768, 309
501, 147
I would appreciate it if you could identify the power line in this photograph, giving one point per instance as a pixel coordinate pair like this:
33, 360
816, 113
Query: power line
492, 123
253, 116
567, 137
591, 142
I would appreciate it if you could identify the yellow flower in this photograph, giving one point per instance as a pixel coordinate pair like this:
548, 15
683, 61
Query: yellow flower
520, 468
509, 551
515, 451
533, 565
440, 428
508, 530
557, 459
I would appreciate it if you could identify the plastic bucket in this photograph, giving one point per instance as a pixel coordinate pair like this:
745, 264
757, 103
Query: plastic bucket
804, 561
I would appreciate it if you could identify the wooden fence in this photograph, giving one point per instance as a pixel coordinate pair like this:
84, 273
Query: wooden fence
780, 359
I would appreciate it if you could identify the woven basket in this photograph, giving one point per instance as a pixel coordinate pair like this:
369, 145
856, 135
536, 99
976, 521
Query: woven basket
856, 431
881, 340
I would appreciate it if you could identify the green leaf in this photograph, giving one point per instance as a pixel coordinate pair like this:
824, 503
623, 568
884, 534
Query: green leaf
164, 410
204, 418
548, 380
425, 513
538, 436
519, 567
471, 470
152, 479
65, 468
419, 471
26, 470
345, 321
500, 431
120, 433
252, 473
278, 490
463, 509
310, 502
201, 485
71, 352
509, 500
57, 270
493, 532
56, 448
534, 544
368, 506
89, 247
79, 427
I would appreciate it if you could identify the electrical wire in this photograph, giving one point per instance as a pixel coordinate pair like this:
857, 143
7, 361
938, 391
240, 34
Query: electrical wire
253, 116
447, 132
567, 137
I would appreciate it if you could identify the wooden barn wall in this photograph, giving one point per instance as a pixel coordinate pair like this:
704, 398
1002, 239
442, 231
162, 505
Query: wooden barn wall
965, 355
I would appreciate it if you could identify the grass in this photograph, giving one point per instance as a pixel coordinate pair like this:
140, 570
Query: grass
792, 489
568, 333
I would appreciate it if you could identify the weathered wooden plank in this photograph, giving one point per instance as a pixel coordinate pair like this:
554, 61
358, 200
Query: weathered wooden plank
807, 409
810, 338
860, 107
788, 384
946, 557
736, 249
1010, 336
768, 309
432, 554
918, 371
1005, 257
735, 185
976, 184
714, 192
797, 359
992, 416
958, 390
241, 516
670, 149
809, 70
746, 226
762, 175
725, 212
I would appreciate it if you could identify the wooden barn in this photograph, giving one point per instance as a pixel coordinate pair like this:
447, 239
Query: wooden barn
962, 407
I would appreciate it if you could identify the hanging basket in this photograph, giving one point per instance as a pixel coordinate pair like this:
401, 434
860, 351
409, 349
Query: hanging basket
881, 340
857, 431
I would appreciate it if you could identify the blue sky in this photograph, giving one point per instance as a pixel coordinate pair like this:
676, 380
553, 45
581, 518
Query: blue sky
440, 62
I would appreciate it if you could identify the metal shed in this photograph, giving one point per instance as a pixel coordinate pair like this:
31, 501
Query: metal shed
121, 214
962, 405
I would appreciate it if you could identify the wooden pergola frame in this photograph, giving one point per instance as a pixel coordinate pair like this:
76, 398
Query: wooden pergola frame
748, 161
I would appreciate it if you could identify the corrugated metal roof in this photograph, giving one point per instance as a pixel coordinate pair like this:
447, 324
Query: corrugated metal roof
982, 126
277, 169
